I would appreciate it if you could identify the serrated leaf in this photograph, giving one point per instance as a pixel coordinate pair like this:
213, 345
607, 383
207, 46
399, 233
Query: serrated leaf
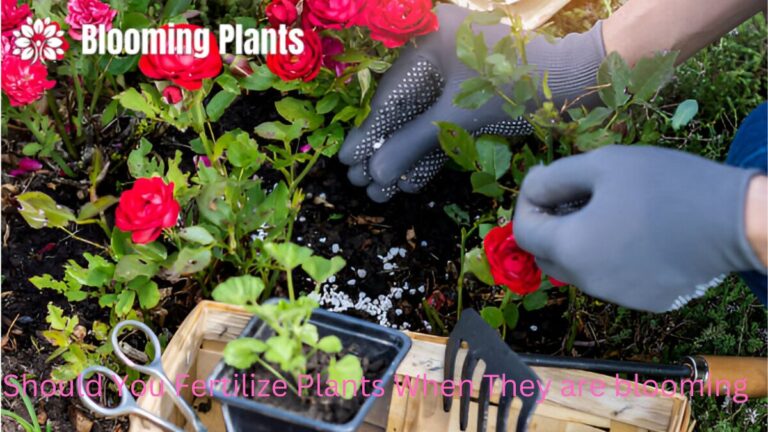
474, 93
41, 211
650, 74
493, 155
133, 100
239, 290
614, 73
486, 184
261, 79
458, 144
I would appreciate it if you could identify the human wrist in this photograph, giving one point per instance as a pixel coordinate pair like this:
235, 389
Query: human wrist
756, 217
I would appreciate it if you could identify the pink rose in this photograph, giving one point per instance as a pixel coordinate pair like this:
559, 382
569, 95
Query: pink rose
13, 14
333, 47
23, 81
172, 95
82, 12
332, 14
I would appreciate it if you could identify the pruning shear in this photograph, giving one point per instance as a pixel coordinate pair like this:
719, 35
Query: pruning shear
128, 405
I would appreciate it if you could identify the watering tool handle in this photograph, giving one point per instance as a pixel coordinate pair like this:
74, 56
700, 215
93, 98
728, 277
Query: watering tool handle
751, 372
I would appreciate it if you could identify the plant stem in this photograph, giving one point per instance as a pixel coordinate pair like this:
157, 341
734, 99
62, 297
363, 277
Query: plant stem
289, 279
460, 284
86, 241
274, 371
60, 125
572, 317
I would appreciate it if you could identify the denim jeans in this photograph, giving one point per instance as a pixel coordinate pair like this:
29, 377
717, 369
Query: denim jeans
750, 150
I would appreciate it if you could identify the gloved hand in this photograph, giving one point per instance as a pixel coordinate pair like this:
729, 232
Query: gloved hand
659, 228
396, 148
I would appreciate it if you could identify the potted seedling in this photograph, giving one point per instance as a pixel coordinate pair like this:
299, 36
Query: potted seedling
296, 367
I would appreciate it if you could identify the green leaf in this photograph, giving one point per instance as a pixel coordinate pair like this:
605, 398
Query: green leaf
320, 269
140, 165
279, 350
133, 100
154, 251
288, 255
308, 334
92, 209
493, 155
474, 93
650, 74
614, 71
278, 131
110, 112
596, 139
219, 104
476, 263
261, 79
41, 211
486, 184
135, 20
511, 314
125, 302
457, 214
471, 48
684, 113
188, 261
228, 83
239, 290
130, 267
522, 91
330, 344
175, 7
56, 317
327, 103
346, 369
300, 112
242, 353
493, 316
243, 151
458, 144
197, 234
535, 300
147, 291
346, 113
122, 64
596, 117
364, 77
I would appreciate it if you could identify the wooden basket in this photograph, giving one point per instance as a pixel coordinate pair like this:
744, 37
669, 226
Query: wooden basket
196, 349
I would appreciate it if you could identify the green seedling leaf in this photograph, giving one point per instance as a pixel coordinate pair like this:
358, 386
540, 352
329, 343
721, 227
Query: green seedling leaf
476, 263
308, 334
458, 144
330, 344
239, 290
280, 351
493, 316
347, 369
197, 234
288, 255
684, 113
320, 269
41, 211
242, 353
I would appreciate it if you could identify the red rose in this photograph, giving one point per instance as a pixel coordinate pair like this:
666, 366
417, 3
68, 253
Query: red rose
304, 66
185, 71
510, 265
172, 95
332, 14
146, 209
281, 12
395, 22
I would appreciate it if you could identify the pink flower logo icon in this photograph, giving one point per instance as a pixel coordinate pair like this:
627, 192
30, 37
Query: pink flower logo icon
40, 39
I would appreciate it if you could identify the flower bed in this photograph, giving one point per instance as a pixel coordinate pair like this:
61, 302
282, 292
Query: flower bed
135, 185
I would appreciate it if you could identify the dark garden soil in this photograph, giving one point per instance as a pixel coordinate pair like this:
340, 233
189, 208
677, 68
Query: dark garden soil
398, 254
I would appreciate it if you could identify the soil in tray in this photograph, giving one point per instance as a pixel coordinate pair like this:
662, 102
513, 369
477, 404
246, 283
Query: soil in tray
316, 402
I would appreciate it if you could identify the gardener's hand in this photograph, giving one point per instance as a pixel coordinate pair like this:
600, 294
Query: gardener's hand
396, 148
659, 227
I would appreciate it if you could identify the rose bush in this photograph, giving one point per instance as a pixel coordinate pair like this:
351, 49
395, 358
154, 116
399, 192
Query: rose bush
146, 209
186, 71
83, 12
510, 265
304, 66
395, 22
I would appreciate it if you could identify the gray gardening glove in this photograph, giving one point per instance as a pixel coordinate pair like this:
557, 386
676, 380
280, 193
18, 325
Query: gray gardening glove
396, 148
659, 227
